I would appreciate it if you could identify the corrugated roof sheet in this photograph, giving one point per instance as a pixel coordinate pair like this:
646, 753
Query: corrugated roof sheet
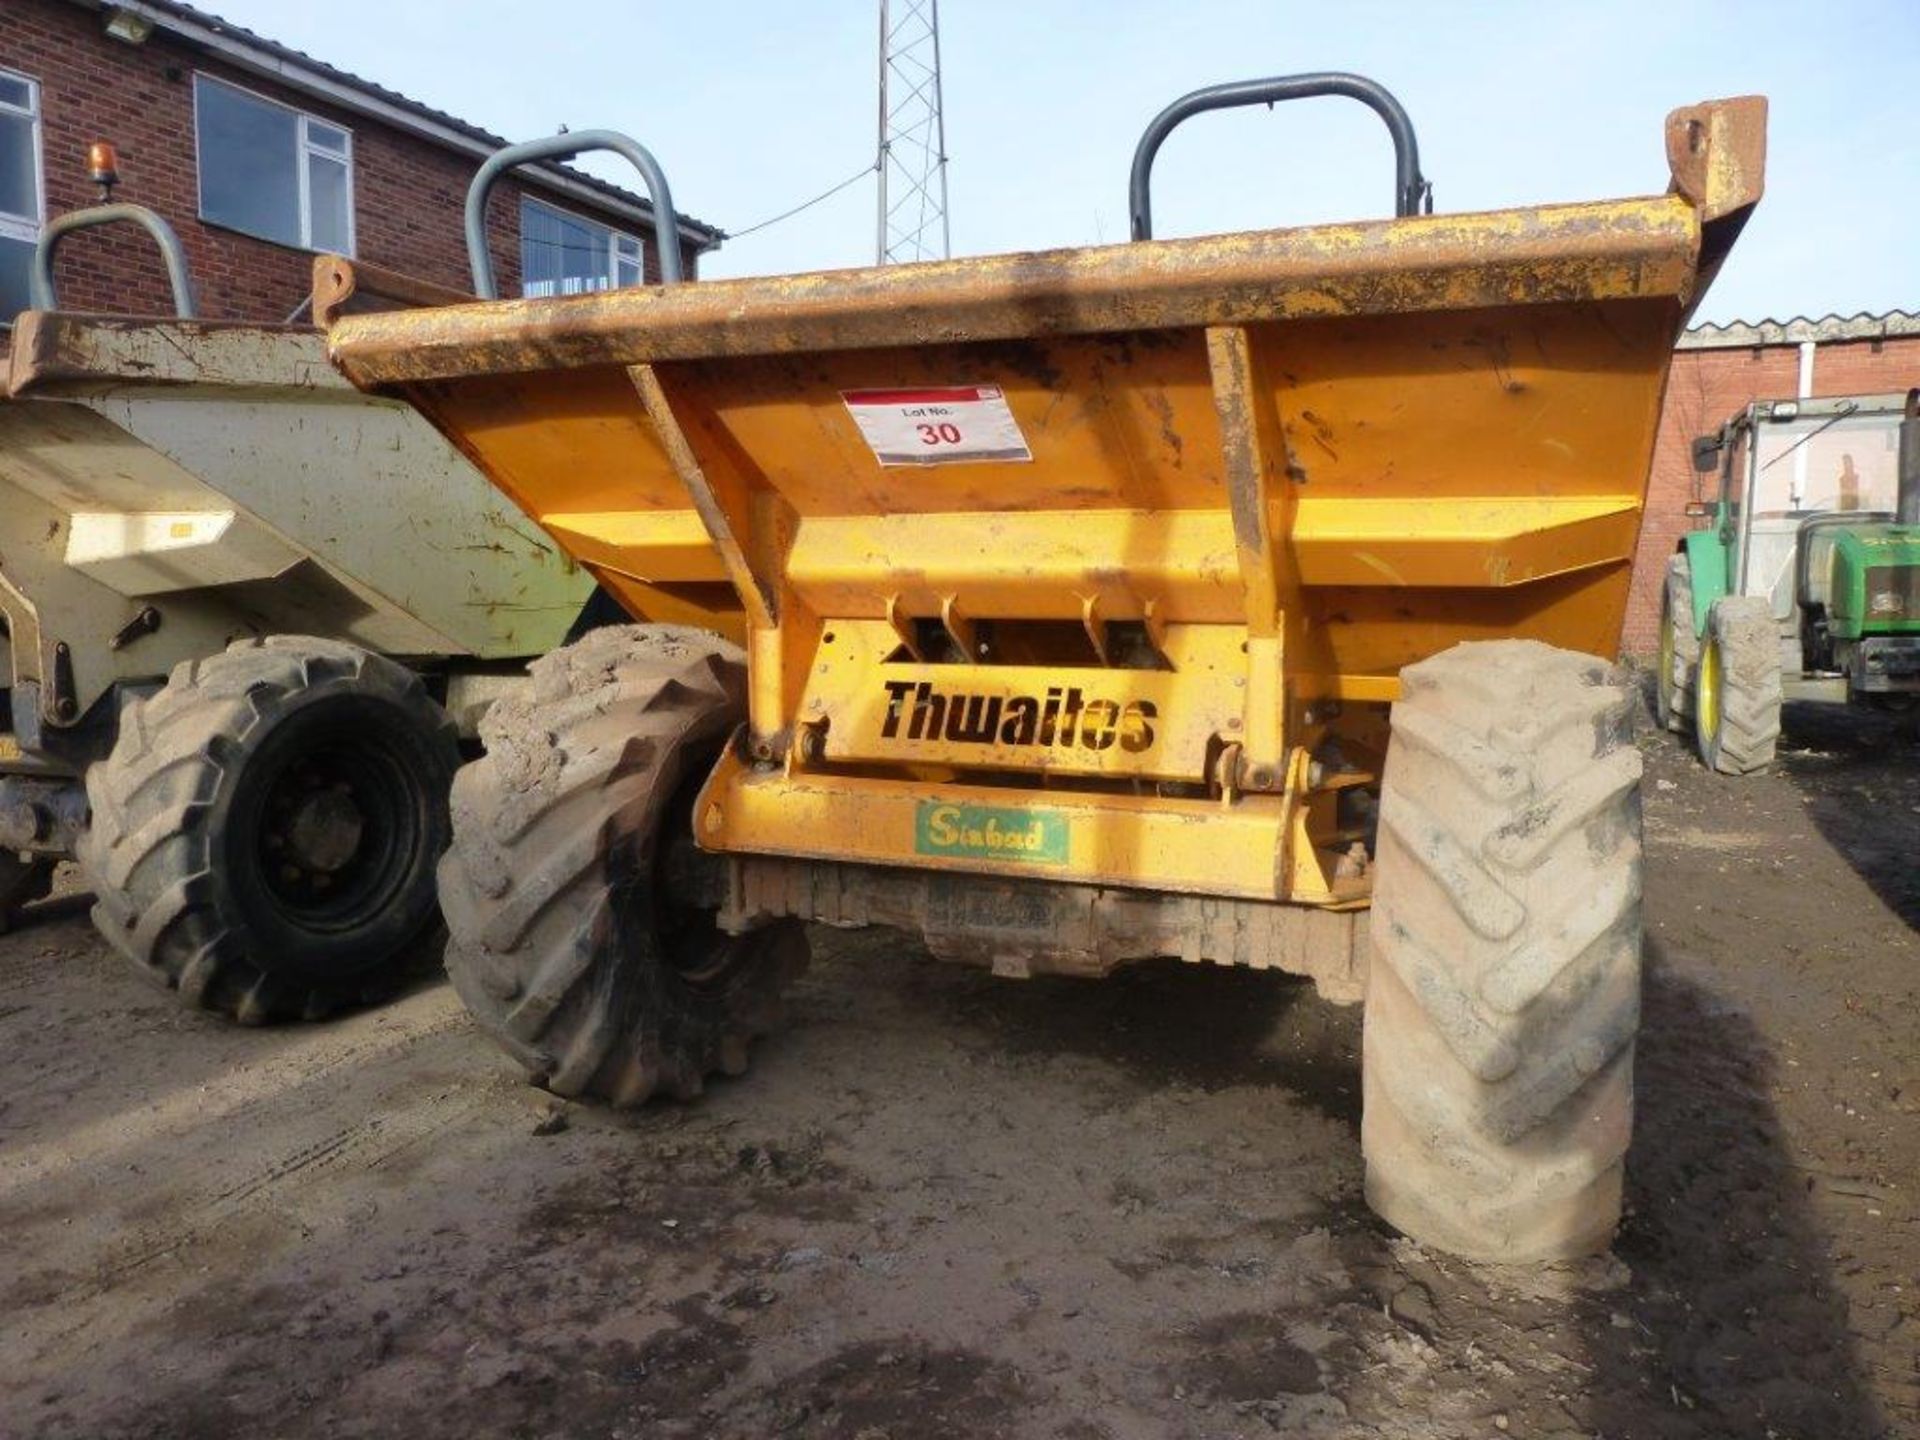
160, 10
1736, 334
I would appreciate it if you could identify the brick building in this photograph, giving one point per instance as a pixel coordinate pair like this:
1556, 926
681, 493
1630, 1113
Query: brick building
260, 156
1719, 369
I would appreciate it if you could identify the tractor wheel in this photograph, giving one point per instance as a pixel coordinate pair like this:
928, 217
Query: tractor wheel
1504, 992
1736, 720
265, 831
1679, 649
581, 939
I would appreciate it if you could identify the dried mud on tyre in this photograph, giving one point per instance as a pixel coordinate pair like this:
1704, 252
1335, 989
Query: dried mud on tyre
1738, 725
1504, 996
569, 944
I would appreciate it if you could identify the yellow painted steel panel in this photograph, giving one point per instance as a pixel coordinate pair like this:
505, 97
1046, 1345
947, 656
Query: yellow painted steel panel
1503, 446
1193, 846
1228, 478
660, 545
1609, 250
1056, 719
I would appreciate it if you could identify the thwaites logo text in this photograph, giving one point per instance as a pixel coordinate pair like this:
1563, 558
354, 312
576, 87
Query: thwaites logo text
1061, 717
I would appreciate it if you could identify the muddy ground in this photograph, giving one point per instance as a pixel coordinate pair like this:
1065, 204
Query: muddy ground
944, 1204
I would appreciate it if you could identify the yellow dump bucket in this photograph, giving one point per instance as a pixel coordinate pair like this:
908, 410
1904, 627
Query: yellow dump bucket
1205, 492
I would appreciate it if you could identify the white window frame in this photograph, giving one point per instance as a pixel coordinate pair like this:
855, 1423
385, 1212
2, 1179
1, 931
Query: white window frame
304, 148
638, 259
26, 228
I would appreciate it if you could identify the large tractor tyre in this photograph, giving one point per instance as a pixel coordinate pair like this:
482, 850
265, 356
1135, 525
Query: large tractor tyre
265, 831
1504, 992
1736, 720
1679, 663
581, 939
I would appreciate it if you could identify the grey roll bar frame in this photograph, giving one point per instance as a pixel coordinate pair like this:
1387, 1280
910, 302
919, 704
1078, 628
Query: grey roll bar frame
666, 220
41, 294
1412, 190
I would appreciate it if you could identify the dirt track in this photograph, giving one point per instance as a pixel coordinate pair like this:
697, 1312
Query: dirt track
943, 1204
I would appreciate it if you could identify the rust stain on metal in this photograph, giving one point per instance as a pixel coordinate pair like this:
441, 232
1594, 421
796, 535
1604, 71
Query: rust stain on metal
55, 348
342, 286
1600, 251
1718, 154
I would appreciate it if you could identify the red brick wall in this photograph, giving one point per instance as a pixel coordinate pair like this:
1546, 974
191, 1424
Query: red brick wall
408, 193
1706, 388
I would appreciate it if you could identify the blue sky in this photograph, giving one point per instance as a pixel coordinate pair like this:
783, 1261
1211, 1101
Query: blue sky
753, 106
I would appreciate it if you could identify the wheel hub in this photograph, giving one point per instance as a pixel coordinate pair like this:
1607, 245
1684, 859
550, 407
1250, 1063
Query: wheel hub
1707, 692
325, 829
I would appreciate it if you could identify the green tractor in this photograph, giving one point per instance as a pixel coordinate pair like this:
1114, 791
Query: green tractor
1806, 583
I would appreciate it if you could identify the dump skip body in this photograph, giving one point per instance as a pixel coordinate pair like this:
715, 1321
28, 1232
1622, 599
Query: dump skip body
1154, 527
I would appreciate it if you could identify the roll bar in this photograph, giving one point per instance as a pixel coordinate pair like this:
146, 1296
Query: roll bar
40, 290
666, 221
1411, 190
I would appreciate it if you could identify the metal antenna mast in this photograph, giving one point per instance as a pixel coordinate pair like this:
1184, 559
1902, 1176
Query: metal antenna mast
912, 222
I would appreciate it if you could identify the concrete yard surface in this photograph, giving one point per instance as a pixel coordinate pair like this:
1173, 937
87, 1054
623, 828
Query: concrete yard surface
942, 1204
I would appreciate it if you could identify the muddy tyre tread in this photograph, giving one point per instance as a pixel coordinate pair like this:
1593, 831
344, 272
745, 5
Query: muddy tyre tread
150, 853
1504, 993
1748, 639
551, 825
1676, 608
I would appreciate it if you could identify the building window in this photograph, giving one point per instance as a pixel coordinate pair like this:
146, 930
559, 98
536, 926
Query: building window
22, 199
562, 254
270, 171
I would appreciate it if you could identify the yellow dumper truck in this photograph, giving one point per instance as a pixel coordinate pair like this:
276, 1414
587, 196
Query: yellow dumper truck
1243, 599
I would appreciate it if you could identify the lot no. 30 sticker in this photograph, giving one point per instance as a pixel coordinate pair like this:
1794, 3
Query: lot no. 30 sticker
937, 426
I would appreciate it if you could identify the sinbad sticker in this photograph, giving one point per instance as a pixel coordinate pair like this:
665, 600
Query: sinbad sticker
990, 832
